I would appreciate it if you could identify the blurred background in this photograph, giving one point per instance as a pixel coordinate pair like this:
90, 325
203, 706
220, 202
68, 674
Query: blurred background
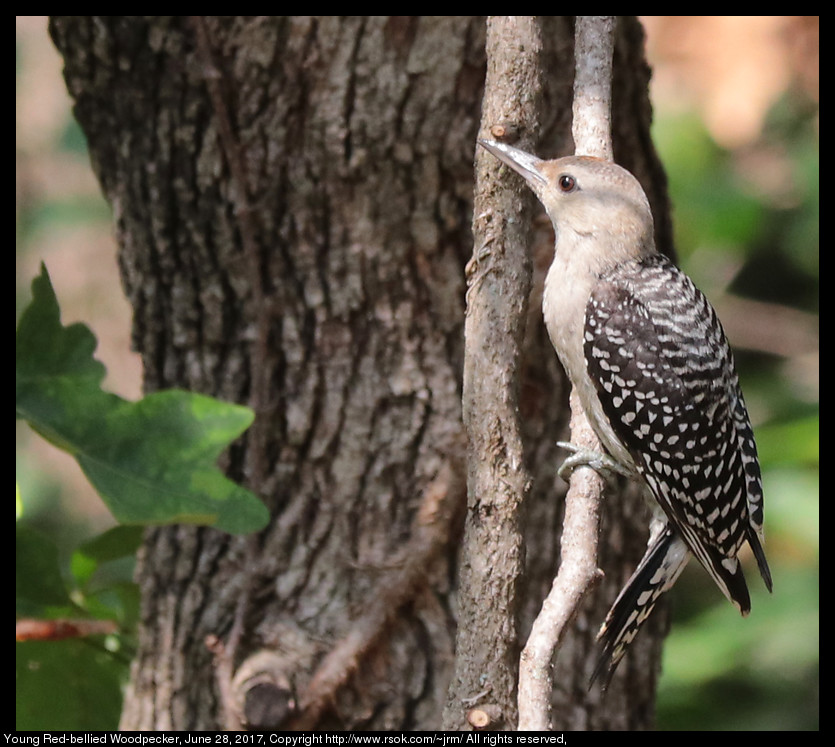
736, 102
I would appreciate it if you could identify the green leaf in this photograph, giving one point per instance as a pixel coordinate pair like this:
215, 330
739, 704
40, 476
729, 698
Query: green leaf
114, 544
67, 685
45, 348
152, 461
118, 601
38, 582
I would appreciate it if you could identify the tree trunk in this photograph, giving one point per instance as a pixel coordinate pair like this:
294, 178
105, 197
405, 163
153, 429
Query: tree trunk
292, 198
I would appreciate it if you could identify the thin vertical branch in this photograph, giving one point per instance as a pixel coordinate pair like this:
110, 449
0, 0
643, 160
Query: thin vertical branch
594, 44
499, 278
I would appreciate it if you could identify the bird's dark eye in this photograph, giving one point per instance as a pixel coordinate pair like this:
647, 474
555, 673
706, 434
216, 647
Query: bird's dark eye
567, 183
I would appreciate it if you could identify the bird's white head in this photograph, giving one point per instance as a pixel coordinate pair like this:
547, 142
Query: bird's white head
587, 198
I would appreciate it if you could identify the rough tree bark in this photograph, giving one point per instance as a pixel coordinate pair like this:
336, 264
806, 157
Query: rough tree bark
345, 179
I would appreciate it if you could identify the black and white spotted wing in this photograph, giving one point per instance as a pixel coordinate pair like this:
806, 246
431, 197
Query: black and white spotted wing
665, 376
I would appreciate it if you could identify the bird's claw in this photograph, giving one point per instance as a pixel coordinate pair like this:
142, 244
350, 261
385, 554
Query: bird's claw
601, 463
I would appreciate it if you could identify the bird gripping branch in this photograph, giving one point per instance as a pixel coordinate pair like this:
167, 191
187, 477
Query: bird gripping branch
647, 355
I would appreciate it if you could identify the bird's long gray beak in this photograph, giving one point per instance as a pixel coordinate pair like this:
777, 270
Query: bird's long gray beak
523, 163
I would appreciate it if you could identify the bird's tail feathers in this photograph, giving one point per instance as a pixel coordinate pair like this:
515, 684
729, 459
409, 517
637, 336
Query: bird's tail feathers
658, 570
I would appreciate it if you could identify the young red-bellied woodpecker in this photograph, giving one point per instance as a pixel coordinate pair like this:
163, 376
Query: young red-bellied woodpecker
648, 357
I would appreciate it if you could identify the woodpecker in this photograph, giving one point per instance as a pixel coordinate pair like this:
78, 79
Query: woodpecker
647, 355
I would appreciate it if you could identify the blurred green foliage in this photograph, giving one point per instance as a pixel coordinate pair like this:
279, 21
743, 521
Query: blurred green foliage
67, 685
74, 683
151, 461
61, 573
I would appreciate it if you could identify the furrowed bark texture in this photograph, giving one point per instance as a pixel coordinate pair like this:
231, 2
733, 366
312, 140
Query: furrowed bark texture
356, 137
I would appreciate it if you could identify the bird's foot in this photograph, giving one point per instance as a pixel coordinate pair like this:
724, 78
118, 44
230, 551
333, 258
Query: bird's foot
601, 463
